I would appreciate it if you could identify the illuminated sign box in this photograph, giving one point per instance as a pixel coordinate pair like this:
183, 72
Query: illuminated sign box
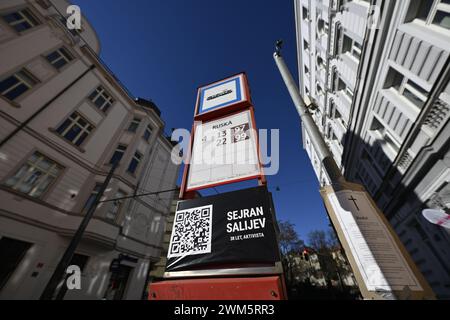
223, 96
224, 150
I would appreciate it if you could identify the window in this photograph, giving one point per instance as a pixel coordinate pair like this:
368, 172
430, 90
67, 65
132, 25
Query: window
321, 26
408, 88
21, 20
118, 154
341, 85
101, 98
35, 176
442, 19
436, 12
351, 46
147, 133
17, 84
305, 45
116, 206
75, 129
414, 93
356, 50
319, 89
320, 62
134, 125
305, 13
134, 162
90, 200
393, 79
59, 58
347, 43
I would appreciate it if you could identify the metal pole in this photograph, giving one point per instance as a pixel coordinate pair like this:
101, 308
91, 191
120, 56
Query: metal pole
329, 164
60, 270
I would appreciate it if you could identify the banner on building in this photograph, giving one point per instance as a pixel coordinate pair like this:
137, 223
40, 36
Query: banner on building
224, 150
231, 228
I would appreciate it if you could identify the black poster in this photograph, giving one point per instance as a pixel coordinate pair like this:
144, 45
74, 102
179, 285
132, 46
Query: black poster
233, 228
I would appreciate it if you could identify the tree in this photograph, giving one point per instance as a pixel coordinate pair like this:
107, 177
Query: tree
290, 246
327, 248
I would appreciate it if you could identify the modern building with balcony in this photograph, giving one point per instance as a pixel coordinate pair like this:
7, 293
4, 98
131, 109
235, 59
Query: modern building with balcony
64, 119
378, 72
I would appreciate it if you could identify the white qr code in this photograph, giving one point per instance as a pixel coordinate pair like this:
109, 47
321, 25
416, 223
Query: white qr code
191, 232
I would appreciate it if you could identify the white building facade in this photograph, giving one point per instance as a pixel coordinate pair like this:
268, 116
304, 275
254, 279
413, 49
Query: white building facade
64, 117
378, 72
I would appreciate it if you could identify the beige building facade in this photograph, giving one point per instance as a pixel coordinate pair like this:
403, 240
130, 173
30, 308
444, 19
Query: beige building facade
64, 117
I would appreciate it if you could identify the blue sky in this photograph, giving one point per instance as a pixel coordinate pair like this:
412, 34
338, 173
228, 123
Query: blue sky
164, 50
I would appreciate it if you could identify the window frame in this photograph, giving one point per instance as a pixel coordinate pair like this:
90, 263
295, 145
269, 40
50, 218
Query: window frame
408, 84
20, 81
100, 93
134, 125
137, 157
68, 57
42, 178
435, 7
116, 150
72, 124
149, 129
92, 194
19, 11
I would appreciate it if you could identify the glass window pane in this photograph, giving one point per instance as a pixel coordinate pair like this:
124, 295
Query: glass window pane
8, 83
99, 101
133, 166
146, 135
81, 138
53, 56
413, 98
45, 164
11, 17
82, 122
42, 186
72, 133
106, 107
442, 19
63, 127
14, 179
29, 16
93, 95
116, 157
22, 26
16, 92
133, 126
30, 181
59, 63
